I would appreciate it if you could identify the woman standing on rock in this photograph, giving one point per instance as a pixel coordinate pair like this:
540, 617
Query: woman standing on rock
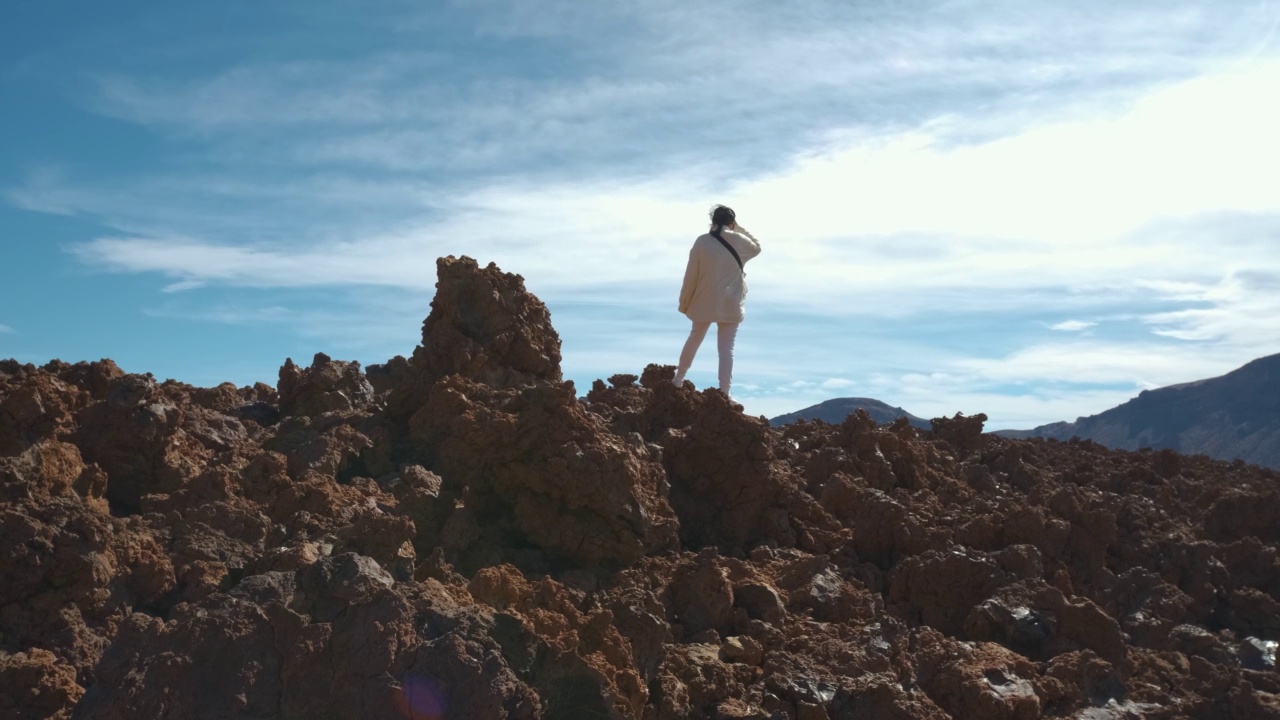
715, 288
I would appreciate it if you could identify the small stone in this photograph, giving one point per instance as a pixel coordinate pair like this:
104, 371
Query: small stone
742, 649
760, 601
1257, 654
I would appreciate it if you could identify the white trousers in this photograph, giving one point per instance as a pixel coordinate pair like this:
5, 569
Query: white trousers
726, 333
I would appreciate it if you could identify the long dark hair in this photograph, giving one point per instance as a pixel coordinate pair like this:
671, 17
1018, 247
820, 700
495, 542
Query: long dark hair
722, 215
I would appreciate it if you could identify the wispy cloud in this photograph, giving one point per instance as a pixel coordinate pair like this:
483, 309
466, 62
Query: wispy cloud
966, 254
1229, 312
372, 327
738, 80
1073, 325
6, 329
1144, 363
1054, 205
924, 169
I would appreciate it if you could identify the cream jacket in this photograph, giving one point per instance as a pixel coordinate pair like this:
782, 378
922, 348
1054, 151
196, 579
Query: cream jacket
714, 287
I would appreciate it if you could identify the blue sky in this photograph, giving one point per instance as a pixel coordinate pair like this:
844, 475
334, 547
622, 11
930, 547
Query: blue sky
1029, 210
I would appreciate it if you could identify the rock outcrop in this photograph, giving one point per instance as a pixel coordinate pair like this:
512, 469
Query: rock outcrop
458, 535
326, 386
483, 326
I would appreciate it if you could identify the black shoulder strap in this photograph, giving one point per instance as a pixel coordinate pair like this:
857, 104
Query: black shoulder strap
716, 234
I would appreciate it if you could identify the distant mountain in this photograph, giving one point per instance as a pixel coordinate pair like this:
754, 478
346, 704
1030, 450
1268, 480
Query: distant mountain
835, 411
1236, 416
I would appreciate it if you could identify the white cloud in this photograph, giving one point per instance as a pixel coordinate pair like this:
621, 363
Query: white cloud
881, 204
370, 326
665, 81
1073, 325
1230, 312
1066, 190
6, 329
1005, 224
199, 263
287, 93
182, 285
1144, 363
1055, 206
911, 168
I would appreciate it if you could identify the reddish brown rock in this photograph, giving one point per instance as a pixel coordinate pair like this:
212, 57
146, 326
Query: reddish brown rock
976, 680
338, 445
577, 661
731, 490
649, 409
269, 639
694, 683
483, 326
137, 435
534, 462
70, 575
47, 470
702, 596
36, 685
964, 433
227, 398
458, 535
327, 386
39, 404
943, 587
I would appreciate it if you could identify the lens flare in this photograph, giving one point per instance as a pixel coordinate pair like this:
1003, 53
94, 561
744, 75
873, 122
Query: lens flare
420, 698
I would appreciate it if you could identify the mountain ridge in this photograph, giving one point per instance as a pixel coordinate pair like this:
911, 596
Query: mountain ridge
1235, 416
834, 411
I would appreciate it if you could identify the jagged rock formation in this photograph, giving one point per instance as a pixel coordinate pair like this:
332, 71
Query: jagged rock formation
324, 387
1233, 417
458, 535
834, 411
483, 326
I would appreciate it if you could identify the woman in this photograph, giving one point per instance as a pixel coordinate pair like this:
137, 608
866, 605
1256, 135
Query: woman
715, 288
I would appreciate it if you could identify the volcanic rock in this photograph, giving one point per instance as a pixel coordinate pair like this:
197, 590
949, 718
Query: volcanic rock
458, 535
326, 386
142, 438
40, 404
41, 686
483, 326
537, 465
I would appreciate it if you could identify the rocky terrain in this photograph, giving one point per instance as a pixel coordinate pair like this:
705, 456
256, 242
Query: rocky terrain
835, 411
459, 535
1233, 417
